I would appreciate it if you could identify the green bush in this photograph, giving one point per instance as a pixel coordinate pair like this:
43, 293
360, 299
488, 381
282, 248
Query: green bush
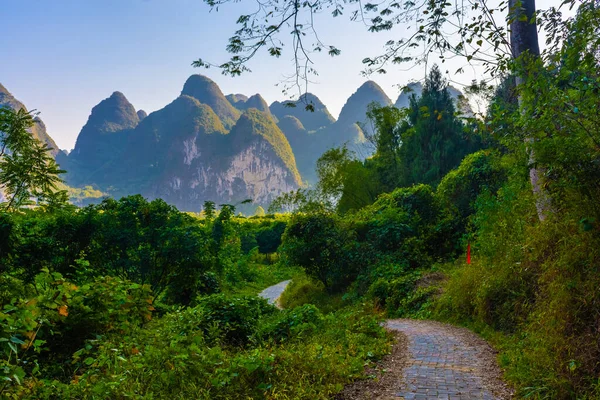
269, 238
322, 247
40, 330
293, 323
173, 357
478, 172
236, 316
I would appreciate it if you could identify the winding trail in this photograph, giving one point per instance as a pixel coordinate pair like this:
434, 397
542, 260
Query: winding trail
447, 362
430, 361
272, 293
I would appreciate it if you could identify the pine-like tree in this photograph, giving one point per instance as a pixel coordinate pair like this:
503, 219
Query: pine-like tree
434, 141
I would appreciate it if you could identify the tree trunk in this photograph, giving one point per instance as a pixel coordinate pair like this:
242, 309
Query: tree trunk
524, 40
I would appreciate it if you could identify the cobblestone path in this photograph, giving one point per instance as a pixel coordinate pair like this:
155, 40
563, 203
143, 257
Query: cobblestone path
446, 362
272, 293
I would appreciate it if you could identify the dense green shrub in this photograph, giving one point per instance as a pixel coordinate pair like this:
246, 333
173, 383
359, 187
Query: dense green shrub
52, 318
174, 357
269, 239
320, 244
478, 172
235, 316
304, 290
293, 323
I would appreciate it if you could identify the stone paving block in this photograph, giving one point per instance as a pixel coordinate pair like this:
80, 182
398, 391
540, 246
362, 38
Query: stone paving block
441, 366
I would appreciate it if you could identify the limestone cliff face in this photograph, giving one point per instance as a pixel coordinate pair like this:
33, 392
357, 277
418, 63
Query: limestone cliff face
38, 130
255, 172
252, 161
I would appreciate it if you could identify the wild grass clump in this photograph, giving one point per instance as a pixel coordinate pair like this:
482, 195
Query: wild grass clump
305, 290
535, 284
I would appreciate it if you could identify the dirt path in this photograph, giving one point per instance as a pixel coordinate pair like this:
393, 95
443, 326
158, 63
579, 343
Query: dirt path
443, 362
272, 293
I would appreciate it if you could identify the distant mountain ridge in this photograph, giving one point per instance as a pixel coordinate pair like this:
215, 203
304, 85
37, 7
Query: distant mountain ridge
205, 145
197, 148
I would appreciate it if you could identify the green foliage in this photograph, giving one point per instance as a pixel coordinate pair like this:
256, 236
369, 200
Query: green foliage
149, 243
434, 141
407, 225
294, 323
27, 169
184, 354
319, 244
389, 123
268, 239
44, 324
235, 317
304, 290
402, 296
346, 180
478, 173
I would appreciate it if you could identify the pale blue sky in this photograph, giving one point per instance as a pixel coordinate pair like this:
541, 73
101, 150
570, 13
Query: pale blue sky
62, 57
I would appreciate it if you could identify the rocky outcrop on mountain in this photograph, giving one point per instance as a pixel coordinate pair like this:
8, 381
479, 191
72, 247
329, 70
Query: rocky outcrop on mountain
261, 157
236, 99
316, 117
255, 101
142, 114
207, 92
103, 137
198, 160
38, 130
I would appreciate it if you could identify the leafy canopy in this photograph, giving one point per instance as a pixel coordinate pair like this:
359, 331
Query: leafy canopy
28, 173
